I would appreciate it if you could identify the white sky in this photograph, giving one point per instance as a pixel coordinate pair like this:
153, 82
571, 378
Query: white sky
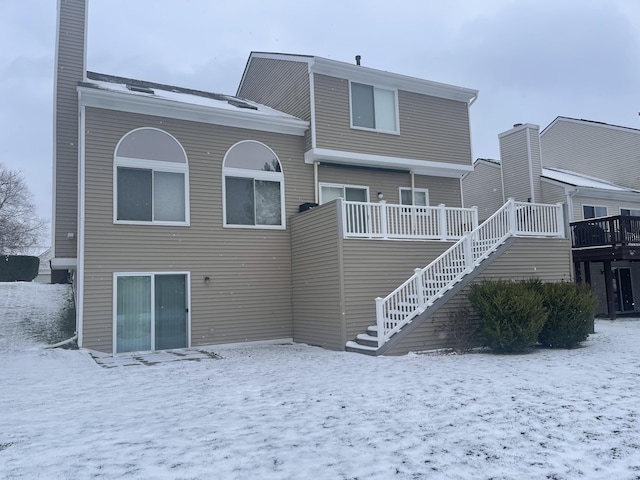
532, 60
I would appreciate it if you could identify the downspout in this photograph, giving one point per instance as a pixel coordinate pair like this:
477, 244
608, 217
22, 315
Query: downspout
413, 189
315, 183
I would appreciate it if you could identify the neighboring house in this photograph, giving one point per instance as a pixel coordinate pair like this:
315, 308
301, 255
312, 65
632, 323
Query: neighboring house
190, 218
593, 169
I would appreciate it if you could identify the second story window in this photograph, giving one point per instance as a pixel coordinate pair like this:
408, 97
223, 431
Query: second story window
373, 107
151, 184
417, 196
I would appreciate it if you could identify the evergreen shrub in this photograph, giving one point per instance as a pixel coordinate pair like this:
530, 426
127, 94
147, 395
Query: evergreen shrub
571, 310
512, 314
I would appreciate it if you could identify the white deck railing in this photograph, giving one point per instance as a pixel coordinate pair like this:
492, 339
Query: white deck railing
389, 221
428, 284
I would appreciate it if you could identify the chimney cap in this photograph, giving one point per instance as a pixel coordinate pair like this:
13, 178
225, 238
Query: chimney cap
517, 125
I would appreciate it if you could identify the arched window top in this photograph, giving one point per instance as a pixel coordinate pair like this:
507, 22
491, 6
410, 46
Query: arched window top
151, 144
252, 155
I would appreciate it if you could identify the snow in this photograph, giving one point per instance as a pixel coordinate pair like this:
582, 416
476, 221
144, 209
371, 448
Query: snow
300, 412
579, 180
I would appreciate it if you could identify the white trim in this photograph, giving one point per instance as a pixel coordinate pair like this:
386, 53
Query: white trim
54, 184
152, 275
149, 105
81, 226
420, 167
153, 166
530, 163
343, 186
62, 263
396, 112
254, 175
312, 99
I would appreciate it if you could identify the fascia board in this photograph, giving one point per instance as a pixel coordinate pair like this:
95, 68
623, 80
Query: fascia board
92, 97
420, 167
381, 78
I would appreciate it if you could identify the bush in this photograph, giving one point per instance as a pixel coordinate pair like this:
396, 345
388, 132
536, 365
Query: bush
571, 310
18, 268
512, 314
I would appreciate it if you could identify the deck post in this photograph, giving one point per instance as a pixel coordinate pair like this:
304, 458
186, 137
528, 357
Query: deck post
512, 216
475, 218
380, 320
383, 219
608, 282
442, 217
560, 219
469, 262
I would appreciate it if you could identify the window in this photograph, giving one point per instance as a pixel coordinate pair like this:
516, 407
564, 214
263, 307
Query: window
151, 311
253, 185
421, 196
151, 185
590, 211
630, 212
350, 193
373, 108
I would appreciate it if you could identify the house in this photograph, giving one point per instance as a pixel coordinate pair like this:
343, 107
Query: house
278, 214
592, 168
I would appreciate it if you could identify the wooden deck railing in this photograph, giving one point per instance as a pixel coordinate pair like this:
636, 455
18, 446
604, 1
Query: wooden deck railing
605, 231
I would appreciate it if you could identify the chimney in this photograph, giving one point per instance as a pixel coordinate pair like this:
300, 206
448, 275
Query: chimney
521, 163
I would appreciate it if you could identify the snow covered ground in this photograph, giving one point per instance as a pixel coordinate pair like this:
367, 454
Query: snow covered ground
298, 412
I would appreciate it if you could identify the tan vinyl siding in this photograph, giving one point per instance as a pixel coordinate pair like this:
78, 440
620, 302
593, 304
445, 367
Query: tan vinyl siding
552, 193
374, 268
249, 295
441, 189
316, 273
514, 158
602, 151
280, 84
543, 258
482, 188
70, 70
431, 128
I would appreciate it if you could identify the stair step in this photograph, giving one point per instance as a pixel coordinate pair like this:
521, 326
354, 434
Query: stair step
364, 339
355, 347
372, 330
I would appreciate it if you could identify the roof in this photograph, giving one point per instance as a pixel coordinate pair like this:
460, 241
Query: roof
580, 180
142, 96
364, 74
487, 160
588, 122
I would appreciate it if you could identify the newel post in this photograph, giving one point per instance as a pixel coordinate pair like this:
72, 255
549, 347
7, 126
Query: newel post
511, 209
442, 223
383, 218
467, 244
420, 288
380, 320
474, 209
560, 219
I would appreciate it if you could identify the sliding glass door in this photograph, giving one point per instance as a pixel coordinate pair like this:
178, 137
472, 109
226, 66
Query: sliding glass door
151, 312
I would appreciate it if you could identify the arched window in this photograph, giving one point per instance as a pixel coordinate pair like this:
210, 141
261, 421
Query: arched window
151, 179
253, 186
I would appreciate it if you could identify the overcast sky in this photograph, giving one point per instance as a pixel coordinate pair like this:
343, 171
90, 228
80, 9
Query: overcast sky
531, 60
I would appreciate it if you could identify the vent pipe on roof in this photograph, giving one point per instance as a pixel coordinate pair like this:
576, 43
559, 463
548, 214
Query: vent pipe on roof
517, 125
358, 57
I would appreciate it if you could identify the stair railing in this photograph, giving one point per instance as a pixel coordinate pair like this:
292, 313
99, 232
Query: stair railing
428, 284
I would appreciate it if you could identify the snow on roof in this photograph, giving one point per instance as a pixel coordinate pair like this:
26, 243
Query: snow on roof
579, 180
179, 94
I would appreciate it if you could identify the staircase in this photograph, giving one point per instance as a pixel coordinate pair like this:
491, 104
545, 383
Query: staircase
430, 287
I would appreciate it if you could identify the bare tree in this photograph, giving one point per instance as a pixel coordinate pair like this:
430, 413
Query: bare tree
20, 227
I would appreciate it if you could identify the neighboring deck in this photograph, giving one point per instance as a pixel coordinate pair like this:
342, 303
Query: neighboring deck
606, 239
